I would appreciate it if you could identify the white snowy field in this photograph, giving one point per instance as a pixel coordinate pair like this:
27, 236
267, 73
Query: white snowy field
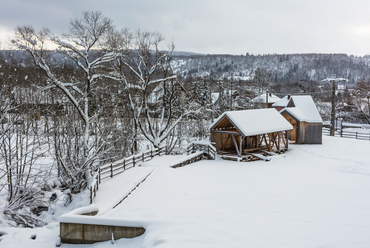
311, 196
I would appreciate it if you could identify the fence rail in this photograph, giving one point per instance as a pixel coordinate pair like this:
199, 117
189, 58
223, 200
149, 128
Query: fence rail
116, 168
207, 149
348, 134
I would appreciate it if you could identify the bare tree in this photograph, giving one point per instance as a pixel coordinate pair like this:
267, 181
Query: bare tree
361, 99
150, 83
21, 145
82, 45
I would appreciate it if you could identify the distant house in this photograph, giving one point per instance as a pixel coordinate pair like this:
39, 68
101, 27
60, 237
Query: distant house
302, 114
243, 131
156, 95
282, 103
261, 100
215, 97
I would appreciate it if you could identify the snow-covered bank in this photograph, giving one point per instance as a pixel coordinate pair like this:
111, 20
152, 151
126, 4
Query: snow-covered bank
311, 196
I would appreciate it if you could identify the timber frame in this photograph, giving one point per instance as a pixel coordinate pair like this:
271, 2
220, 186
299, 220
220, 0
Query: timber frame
228, 139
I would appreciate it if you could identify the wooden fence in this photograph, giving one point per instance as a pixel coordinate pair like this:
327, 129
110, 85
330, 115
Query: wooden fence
113, 169
348, 134
196, 152
207, 149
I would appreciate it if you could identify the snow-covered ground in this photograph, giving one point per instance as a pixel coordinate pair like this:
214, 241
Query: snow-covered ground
311, 196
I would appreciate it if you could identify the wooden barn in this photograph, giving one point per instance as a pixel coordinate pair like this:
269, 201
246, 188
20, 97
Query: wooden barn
302, 114
245, 131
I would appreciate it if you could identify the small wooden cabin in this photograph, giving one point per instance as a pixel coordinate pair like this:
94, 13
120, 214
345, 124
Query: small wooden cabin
302, 114
246, 131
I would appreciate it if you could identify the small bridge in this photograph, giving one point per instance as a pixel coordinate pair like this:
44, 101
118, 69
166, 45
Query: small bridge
196, 151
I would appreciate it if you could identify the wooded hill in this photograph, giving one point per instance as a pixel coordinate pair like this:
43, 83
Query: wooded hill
282, 68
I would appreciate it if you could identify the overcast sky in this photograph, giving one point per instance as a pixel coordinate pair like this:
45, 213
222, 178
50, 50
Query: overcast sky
215, 26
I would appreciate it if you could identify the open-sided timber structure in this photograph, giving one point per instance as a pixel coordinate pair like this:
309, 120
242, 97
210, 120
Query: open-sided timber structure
240, 133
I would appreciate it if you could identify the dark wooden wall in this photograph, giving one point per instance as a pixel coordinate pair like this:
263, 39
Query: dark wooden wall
310, 133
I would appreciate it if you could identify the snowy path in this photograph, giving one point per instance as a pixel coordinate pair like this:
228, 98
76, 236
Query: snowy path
112, 191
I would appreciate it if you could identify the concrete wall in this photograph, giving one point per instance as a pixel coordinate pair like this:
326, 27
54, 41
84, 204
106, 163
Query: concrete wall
73, 233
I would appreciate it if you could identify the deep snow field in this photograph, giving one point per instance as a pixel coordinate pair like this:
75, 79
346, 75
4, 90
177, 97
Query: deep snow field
312, 196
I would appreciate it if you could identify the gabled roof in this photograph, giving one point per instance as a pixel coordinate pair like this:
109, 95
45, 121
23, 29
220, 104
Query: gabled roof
262, 98
283, 102
252, 122
303, 108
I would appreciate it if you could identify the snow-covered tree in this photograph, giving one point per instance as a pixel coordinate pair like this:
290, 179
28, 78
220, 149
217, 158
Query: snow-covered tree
154, 93
361, 99
83, 46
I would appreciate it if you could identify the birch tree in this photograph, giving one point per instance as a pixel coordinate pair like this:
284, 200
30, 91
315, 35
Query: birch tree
83, 46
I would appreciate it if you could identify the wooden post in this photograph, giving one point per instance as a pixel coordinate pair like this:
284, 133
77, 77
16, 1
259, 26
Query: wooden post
151, 154
124, 164
143, 156
241, 145
133, 160
97, 181
99, 175
90, 194
111, 170
270, 137
236, 145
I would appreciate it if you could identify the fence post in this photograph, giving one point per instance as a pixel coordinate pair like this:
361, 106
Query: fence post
111, 170
99, 171
151, 154
356, 135
133, 160
97, 181
91, 195
124, 164
143, 156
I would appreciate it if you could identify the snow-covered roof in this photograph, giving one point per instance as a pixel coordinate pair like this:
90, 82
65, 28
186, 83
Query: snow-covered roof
262, 98
283, 102
214, 97
255, 121
303, 108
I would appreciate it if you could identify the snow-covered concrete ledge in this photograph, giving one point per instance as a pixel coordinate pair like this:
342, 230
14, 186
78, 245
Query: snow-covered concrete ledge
80, 227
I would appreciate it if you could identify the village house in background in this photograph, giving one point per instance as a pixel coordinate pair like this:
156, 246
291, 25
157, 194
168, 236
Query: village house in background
260, 101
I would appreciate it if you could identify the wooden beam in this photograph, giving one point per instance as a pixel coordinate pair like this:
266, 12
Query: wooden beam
269, 145
241, 144
286, 139
227, 132
236, 146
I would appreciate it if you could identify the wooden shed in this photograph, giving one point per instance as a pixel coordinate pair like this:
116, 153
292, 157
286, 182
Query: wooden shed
302, 114
244, 131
